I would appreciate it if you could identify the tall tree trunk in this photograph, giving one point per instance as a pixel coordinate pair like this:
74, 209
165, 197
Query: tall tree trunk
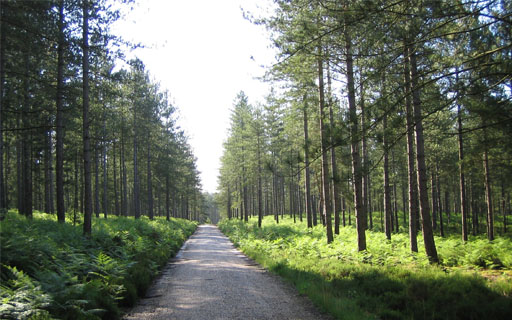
26, 145
334, 170
365, 164
77, 183
116, 194
503, 207
3, 191
167, 198
260, 204
122, 167
327, 208
136, 185
105, 175
59, 166
433, 197
307, 183
464, 210
47, 165
356, 160
150, 185
488, 192
439, 208
97, 182
229, 203
387, 189
411, 169
426, 223
19, 167
86, 139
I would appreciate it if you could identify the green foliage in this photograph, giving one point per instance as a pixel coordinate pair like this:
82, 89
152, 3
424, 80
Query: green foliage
49, 268
387, 281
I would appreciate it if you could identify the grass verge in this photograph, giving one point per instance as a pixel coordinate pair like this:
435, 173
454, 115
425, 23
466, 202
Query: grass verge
387, 281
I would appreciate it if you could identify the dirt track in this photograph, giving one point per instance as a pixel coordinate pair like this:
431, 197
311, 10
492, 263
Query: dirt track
210, 279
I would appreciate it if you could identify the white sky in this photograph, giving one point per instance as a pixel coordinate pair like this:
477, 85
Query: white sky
204, 52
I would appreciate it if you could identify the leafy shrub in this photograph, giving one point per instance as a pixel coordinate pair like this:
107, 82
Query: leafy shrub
77, 277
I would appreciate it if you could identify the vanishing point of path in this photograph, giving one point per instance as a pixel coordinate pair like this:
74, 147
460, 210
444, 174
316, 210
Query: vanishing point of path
210, 279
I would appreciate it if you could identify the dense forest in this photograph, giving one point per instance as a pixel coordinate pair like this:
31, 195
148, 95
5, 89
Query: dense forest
391, 116
98, 183
82, 128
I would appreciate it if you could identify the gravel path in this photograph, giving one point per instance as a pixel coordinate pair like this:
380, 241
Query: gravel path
210, 279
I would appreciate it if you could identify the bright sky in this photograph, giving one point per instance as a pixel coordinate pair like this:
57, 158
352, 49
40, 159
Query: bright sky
204, 52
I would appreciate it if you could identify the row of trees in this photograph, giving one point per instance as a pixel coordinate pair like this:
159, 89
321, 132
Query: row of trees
385, 107
79, 133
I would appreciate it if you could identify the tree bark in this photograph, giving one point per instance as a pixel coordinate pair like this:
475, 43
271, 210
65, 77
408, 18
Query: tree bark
356, 160
462, 179
167, 198
488, 192
327, 210
59, 166
150, 185
426, 223
136, 193
334, 170
116, 194
122, 167
365, 164
411, 174
260, 204
85, 118
307, 183
387, 191
97, 182
26, 145
105, 175
3, 191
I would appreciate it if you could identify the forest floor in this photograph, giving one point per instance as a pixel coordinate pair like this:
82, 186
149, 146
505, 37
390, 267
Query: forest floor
211, 279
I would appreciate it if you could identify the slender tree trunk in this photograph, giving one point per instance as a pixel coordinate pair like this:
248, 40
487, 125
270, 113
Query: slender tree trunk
97, 182
387, 188
26, 145
136, 185
150, 185
356, 160
86, 139
307, 183
229, 203
59, 166
411, 173
426, 223
488, 192
77, 182
122, 167
365, 164
334, 170
47, 165
439, 209
433, 199
327, 210
105, 175
3, 191
167, 198
116, 194
462, 179
260, 204
395, 197
503, 207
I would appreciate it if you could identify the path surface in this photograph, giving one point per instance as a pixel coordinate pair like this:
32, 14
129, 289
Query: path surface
210, 279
